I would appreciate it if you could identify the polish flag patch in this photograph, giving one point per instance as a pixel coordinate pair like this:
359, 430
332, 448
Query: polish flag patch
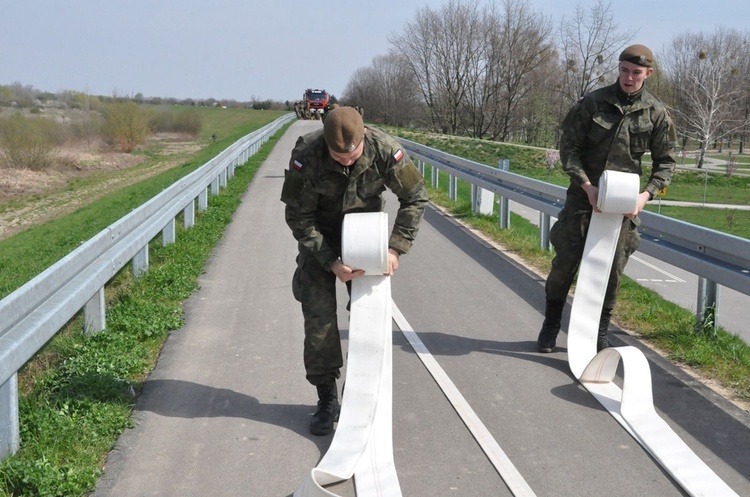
297, 165
398, 155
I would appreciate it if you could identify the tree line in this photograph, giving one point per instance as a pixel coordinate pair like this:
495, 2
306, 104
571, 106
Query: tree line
504, 71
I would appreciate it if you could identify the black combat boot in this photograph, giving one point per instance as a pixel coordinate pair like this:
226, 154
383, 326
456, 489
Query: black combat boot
551, 326
602, 342
328, 409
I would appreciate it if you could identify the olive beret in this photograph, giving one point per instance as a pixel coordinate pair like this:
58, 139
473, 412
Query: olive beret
343, 129
638, 54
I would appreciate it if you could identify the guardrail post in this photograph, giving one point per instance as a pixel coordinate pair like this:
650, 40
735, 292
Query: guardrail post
140, 262
168, 233
453, 187
503, 213
203, 200
544, 227
708, 303
223, 178
94, 314
434, 177
188, 215
215, 186
10, 437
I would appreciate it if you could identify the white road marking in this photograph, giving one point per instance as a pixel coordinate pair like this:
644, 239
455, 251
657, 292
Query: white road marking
658, 269
508, 472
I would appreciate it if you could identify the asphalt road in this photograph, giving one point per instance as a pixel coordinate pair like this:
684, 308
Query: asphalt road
226, 411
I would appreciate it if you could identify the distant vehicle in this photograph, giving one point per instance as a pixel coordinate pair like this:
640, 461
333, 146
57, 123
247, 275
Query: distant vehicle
315, 101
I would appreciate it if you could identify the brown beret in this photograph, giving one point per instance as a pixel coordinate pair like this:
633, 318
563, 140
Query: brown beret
638, 54
343, 129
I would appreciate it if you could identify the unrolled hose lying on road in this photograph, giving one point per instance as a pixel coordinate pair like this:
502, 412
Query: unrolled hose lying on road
362, 445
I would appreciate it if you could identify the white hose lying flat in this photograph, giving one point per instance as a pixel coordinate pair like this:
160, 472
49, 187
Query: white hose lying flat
362, 446
632, 406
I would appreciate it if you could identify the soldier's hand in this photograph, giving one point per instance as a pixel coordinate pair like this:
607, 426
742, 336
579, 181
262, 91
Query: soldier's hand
392, 262
344, 272
593, 194
642, 199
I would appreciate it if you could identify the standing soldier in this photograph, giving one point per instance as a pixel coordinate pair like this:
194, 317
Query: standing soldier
342, 168
610, 128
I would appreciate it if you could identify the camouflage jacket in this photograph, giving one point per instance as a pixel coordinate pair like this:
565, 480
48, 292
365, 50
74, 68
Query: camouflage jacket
601, 132
319, 191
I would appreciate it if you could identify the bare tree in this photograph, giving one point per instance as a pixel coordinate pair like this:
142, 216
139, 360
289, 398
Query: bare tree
590, 45
385, 89
709, 84
512, 42
525, 45
436, 45
479, 108
363, 90
743, 107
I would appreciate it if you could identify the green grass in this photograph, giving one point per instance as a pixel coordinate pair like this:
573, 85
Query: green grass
718, 355
689, 186
78, 393
733, 221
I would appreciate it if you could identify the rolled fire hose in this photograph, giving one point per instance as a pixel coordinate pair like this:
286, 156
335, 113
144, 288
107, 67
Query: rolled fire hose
362, 445
632, 406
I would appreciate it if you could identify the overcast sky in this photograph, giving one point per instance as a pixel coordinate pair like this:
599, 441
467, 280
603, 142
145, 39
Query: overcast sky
263, 49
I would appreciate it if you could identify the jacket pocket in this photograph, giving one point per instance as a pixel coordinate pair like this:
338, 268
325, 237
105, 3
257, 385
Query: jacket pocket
640, 135
602, 127
370, 187
331, 185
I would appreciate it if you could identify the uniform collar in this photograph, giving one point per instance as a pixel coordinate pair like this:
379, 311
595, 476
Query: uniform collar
629, 98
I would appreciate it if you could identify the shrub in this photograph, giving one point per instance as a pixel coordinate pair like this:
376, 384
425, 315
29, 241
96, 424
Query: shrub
29, 143
182, 122
126, 125
188, 122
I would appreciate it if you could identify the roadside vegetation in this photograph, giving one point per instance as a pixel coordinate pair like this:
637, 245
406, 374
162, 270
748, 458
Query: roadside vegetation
717, 355
77, 394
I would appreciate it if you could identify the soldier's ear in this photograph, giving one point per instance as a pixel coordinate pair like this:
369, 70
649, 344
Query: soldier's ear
649, 72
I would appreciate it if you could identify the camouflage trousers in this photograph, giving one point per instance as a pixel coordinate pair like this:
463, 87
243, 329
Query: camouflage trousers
315, 289
568, 236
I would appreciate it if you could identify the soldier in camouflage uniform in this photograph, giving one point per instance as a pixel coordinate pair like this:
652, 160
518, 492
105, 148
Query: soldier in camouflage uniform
342, 168
610, 128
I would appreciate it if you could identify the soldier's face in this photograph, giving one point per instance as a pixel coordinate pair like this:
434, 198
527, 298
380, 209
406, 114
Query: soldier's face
348, 158
632, 76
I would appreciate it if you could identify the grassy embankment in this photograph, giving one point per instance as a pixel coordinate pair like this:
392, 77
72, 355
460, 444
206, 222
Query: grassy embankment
720, 356
77, 394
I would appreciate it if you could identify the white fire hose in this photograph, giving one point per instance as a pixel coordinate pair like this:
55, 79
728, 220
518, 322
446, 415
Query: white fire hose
362, 446
632, 406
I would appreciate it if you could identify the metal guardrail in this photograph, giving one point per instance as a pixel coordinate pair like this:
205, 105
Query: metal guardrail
717, 257
34, 313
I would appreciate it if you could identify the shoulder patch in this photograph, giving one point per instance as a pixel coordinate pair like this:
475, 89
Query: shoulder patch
580, 99
297, 165
398, 155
